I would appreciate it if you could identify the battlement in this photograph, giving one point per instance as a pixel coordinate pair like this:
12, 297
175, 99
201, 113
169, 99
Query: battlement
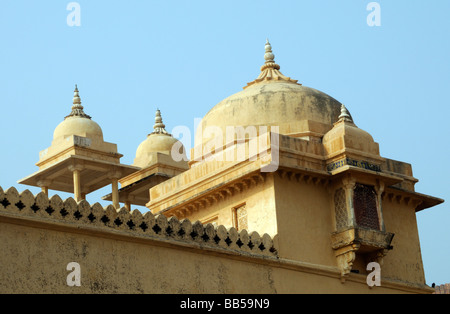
69, 212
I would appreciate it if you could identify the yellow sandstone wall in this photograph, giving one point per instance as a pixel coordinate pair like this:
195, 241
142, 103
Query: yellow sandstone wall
307, 209
304, 209
404, 262
122, 252
259, 202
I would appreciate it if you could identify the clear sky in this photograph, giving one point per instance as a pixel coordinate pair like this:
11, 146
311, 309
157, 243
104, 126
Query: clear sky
183, 57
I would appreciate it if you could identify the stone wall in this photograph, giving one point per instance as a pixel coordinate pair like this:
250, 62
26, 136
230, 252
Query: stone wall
130, 252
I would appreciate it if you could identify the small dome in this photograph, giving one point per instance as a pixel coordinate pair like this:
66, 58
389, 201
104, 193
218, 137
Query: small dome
346, 135
78, 123
159, 141
78, 126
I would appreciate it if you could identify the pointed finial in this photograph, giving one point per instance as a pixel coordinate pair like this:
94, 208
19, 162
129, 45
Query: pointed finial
269, 56
76, 97
77, 108
159, 127
270, 71
345, 115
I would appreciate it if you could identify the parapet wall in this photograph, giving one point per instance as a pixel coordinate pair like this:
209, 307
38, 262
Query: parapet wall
82, 213
130, 252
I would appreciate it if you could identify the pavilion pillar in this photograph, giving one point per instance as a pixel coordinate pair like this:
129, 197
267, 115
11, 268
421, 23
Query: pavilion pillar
114, 176
77, 185
115, 192
76, 171
43, 184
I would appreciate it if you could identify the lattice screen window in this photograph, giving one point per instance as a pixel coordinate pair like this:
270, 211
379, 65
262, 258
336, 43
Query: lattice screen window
340, 208
240, 217
365, 207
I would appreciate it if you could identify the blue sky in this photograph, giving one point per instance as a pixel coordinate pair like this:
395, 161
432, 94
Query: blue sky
183, 57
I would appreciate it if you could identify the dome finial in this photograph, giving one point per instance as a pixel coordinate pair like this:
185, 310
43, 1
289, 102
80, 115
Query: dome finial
269, 56
76, 97
77, 108
270, 71
159, 127
345, 115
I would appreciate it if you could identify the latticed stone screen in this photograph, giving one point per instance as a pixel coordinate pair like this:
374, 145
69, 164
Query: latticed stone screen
365, 207
241, 217
340, 208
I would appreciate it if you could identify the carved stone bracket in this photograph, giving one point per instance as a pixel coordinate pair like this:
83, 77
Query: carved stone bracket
373, 244
345, 257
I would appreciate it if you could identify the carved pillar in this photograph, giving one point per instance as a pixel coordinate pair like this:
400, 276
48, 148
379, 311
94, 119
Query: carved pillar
379, 189
349, 185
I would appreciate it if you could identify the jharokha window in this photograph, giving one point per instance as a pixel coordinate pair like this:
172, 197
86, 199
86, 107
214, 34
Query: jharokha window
240, 217
365, 207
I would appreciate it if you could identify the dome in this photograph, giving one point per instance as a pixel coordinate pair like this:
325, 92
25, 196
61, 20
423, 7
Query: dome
346, 135
154, 143
274, 100
78, 126
159, 141
78, 123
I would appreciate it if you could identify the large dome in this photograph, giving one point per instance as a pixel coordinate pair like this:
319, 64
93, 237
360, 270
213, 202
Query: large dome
273, 100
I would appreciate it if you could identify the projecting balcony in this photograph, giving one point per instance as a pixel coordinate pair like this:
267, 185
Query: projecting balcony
374, 244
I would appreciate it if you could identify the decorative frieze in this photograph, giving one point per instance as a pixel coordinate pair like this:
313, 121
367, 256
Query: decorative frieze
355, 163
213, 197
308, 178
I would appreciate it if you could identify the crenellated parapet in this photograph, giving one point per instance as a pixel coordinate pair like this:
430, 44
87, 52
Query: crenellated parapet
156, 227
